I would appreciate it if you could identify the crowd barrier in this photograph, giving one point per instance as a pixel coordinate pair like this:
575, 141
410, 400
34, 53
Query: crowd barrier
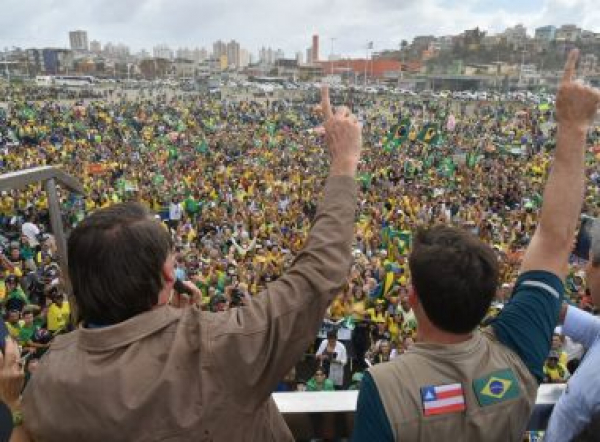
330, 415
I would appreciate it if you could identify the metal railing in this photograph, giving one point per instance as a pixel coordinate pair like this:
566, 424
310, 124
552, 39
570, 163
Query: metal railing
330, 415
49, 176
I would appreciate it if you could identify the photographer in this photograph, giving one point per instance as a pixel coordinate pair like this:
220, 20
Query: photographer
332, 357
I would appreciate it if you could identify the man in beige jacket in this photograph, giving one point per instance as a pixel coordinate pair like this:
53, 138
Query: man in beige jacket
139, 370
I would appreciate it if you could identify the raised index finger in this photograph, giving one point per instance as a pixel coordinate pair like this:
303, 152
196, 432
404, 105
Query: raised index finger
325, 103
570, 66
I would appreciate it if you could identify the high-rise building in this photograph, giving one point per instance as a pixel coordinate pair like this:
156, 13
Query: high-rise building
184, 54
78, 40
244, 58
233, 54
315, 48
568, 33
309, 56
267, 55
122, 50
219, 49
162, 51
545, 33
95, 46
199, 55
278, 55
299, 57
262, 55
516, 35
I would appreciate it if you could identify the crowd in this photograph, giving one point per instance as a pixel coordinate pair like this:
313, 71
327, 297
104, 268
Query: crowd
230, 182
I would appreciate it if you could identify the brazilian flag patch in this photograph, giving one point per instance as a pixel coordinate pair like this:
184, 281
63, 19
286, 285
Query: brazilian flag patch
499, 386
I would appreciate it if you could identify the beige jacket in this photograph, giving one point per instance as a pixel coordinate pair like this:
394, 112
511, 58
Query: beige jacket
400, 383
179, 375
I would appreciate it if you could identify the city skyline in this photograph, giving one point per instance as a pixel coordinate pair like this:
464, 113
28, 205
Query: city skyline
182, 23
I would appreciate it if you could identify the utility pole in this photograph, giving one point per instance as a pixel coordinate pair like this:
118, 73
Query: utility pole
369, 46
331, 54
6, 66
400, 58
521, 69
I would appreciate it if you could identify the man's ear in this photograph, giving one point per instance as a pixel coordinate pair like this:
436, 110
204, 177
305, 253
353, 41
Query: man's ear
168, 270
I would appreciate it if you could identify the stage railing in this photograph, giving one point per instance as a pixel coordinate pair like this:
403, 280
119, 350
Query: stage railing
50, 177
330, 415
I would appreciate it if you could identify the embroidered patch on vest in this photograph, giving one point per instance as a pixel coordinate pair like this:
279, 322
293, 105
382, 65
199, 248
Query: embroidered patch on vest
496, 387
442, 399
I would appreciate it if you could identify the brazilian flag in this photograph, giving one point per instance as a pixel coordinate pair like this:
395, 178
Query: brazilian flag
497, 387
428, 161
400, 240
409, 168
365, 180
173, 153
472, 158
447, 168
399, 133
202, 147
430, 134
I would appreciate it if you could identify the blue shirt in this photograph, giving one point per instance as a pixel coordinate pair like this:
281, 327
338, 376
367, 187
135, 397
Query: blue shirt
525, 325
581, 400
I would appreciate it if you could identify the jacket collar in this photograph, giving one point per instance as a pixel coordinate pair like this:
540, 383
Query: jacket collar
124, 333
449, 350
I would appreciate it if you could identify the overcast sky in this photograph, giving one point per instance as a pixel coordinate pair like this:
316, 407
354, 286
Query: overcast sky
285, 24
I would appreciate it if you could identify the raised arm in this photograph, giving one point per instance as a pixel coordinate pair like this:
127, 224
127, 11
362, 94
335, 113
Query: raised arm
526, 324
576, 107
12, 378
580, 326
264, 339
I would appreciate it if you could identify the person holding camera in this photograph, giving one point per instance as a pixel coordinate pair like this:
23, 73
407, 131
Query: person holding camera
332, 356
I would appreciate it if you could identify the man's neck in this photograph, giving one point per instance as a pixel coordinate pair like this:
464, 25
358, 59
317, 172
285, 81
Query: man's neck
443, 338
433, 335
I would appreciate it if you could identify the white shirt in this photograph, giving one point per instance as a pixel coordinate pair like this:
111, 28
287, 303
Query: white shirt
175, 211
336, 369
30, 230
574, 349
581, 401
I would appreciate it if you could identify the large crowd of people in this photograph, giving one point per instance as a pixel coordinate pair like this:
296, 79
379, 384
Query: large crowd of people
230, 182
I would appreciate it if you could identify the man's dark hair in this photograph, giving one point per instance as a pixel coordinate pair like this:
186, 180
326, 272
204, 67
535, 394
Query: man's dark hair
115, 260
455, 276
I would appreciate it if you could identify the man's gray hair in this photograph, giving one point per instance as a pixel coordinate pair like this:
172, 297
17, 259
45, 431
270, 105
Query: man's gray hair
595, 248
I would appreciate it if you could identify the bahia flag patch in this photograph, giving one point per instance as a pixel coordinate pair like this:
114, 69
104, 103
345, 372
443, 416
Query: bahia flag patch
442, 399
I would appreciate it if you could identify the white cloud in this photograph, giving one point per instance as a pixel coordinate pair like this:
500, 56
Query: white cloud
281, 24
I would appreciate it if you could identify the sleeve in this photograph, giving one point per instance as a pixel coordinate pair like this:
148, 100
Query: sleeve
371, 422
570, 415
342, 356
322, 347
581, 326
265, 338
527, 322
237, 247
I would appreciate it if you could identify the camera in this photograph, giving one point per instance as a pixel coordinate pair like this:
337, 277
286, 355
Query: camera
237, 298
